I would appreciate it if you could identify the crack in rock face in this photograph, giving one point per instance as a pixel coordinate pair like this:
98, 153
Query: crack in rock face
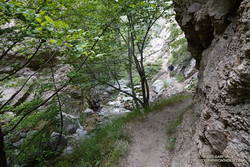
218, 33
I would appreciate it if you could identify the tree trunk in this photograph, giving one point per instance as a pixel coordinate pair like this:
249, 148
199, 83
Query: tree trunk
3, 160
130, 69
141, 72
145, 90
139, 63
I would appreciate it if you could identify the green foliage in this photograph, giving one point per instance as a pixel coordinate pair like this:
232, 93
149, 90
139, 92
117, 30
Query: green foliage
179, 51
40, 118
13, 82
180, 77
107, 144
171, 143
152, 69
156, 106
35, 147
85, 35
166, 84
168, 101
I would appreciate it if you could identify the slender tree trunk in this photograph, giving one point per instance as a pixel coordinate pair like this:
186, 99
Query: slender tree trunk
141, 72
144, 80
147, 90
130, 70
144, 90
3, 160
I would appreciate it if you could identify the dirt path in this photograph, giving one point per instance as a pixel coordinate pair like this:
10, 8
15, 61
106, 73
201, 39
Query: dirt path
148, 147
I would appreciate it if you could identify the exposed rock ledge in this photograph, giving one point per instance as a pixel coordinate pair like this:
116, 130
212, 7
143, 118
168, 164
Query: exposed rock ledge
218, 32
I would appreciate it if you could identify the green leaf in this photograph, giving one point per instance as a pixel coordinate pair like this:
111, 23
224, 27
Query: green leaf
61, 24
53, 41
48, 19
68, 45
39, 29
42, 13
39, 20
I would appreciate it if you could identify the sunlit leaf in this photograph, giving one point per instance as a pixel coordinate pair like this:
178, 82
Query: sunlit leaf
48, 19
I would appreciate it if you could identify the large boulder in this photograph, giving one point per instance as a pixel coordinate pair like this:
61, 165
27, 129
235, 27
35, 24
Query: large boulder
57, 140
68, 150
158, 86
71, 128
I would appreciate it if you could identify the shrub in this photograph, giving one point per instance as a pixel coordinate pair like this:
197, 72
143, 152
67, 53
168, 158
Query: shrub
180, 77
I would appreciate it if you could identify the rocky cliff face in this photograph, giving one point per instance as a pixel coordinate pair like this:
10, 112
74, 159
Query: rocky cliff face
218, 32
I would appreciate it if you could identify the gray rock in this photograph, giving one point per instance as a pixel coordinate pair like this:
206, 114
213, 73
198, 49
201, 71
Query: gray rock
115, 103
31, 133
219, 45
81, 133
54, 138
70, 123
68, 150
194, 8
88, 110
190, 70
71, 129
23, 134
158, 85
109, 111
18, 143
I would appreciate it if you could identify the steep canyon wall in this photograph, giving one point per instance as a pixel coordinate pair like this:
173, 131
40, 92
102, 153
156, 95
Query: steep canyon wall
218, 33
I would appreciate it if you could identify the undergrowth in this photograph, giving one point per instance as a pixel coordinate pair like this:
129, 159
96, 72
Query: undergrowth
172, 128
108, 143
180, 77
168, 101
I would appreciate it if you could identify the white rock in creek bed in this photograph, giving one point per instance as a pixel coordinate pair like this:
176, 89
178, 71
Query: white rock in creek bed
31, 132
23, 135
10, 114
127, 99
115, 103
119, 98
137, 86
26, 72
71, 128
108, 111
54, 138
88, 110
16, 152
19, 143
70, 116
54, 134
81, 133
68, 150
7, 93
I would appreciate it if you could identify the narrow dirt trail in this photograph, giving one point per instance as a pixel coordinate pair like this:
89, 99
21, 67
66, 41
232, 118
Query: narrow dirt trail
148, 146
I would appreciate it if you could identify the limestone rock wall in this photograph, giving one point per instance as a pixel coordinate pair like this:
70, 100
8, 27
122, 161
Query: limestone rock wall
218, 33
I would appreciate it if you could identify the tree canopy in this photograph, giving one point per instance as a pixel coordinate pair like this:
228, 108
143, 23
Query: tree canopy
100, 41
